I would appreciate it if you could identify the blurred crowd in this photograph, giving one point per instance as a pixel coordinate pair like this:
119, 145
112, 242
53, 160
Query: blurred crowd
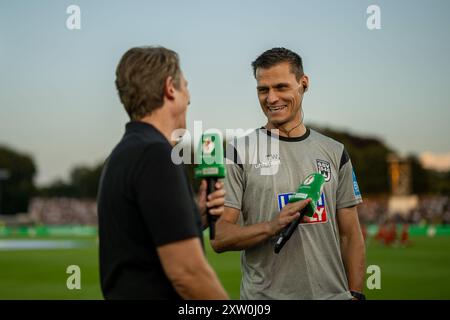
430, 210
59, 211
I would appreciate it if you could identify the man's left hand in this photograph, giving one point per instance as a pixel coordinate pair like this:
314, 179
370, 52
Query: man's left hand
214, 201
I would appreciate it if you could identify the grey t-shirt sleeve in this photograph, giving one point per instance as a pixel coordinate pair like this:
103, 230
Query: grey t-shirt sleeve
234, 182
234, 186
347, 194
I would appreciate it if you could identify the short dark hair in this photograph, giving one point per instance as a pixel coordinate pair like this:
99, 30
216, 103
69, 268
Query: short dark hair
275, 56
141, 76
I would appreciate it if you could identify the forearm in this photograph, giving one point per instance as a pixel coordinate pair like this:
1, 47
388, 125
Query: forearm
354, 258
233, 237
186, 267
200, 285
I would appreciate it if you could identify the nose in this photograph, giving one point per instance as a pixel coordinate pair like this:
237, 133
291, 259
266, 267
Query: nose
272, 97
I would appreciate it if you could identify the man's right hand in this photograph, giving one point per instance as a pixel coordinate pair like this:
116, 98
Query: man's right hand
231, 236
289, 213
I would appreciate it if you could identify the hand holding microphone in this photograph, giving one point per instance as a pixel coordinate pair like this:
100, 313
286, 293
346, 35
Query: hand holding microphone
213, 202
211, 168
311, 188
288, 214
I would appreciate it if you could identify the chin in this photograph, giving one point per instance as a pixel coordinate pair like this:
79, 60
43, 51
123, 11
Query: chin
277, 121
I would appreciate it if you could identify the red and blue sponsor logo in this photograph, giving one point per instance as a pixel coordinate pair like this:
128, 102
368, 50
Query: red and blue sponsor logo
319, 216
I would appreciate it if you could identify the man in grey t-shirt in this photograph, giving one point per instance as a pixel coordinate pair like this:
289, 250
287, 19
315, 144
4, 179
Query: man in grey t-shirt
325, 257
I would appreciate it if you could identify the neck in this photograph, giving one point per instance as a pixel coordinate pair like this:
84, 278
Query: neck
165, 124
290, 129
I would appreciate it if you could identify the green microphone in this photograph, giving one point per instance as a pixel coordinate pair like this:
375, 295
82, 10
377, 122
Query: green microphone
310, 188
211, 168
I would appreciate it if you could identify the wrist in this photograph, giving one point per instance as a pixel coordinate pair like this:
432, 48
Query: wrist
270, 230
357, 295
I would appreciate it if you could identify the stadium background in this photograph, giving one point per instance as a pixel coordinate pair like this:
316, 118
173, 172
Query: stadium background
59, 229
383, 93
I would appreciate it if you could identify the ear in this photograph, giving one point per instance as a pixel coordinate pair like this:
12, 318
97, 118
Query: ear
169, 88
305, 82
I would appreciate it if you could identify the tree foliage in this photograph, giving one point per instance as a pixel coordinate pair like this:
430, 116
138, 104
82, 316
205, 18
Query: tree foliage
83, 183
369, 159
18, 188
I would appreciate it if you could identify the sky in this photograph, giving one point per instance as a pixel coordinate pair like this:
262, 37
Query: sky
58, 102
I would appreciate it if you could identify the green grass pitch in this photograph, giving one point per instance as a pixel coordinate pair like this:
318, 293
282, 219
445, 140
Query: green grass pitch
421, 271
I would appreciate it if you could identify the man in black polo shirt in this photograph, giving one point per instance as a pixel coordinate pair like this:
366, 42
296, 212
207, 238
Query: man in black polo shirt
149, 224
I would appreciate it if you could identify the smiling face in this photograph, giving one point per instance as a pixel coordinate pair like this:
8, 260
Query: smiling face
280, 94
